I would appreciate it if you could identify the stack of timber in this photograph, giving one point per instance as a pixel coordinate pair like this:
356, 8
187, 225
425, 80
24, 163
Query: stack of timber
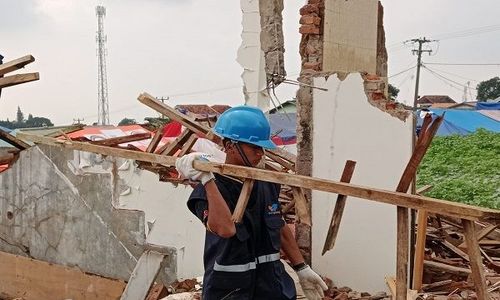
447, 273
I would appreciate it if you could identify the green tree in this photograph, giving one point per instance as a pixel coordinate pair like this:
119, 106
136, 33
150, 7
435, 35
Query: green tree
393, 92
156, 123
19, 116
127, 121
488, 89
38, 122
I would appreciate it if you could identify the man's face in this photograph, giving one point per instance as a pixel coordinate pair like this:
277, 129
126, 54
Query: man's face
252, 152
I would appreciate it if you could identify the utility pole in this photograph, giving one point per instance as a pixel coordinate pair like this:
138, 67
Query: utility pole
419, 52
163, 99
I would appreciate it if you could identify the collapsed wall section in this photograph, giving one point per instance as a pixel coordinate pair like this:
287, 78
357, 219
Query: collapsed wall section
46, 216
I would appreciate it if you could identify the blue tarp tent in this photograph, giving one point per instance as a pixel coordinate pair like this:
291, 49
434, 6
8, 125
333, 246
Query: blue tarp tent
488, 105
463, 122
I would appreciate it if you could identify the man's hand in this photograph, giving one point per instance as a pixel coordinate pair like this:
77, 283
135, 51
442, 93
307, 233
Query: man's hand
312, 284
184, 166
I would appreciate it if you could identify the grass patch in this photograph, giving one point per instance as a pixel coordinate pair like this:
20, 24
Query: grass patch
464, 169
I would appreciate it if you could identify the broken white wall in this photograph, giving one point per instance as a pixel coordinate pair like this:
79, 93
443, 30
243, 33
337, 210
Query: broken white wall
348, 127
165, 205
350, 36
251, 56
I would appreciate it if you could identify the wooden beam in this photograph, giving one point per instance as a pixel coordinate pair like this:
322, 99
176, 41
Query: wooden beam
402, 212
123, 139
14, 141
455, 250
170, 149
156, 140
333, 230
15, 64
481, 234
418, 271
18, 79
424, 189
241, 205
403, 240
188, 145
434, 265
166, 110
301, 206
476, 261
433, 205
27, 278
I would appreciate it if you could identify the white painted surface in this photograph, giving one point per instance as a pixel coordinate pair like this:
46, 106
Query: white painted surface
143, 276
175, 226
346, 127
251, 57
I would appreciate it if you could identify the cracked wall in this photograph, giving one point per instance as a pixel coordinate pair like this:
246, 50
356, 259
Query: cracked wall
47, 215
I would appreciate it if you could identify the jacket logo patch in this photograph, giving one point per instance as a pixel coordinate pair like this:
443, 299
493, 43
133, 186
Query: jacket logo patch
273, 209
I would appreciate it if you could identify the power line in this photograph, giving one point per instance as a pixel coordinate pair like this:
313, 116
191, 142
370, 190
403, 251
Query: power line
404, 71
453, 74
447, 79
468, 32
463, 64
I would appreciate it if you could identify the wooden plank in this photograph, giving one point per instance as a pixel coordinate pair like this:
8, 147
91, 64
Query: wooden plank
432, 205
200, 129
283, 162
403, 240
241, 205
156, 140
159, 106
14, 141
333, 230
18, 79
418, 271
402, 212
481, 234
123, 139
455, 249
476, 261
15, 64
434, 265
188, 145
391, 284
170, 149
143, 275
424, 189
302, 210
27, 278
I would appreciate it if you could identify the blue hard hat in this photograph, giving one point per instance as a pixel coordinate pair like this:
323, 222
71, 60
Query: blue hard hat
245, 124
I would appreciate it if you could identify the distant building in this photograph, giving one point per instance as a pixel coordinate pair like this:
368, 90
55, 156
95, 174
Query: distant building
429, 100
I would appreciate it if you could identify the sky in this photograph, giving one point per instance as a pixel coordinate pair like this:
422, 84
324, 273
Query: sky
186, 50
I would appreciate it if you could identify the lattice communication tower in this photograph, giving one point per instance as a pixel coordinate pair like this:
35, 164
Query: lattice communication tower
102, 81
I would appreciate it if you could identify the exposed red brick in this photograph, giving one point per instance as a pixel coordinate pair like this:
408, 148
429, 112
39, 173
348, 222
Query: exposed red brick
315, 1
377, 96
312, 65
309, 29
371, 77
390, 105
309, 9
308, 19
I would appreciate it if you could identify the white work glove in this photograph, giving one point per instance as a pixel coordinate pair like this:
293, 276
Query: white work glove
312, 284
184, 166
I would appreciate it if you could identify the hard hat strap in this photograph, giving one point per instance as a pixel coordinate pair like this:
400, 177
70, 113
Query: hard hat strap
242, 154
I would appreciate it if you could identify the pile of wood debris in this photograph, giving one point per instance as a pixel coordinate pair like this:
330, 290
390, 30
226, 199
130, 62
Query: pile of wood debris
447, 273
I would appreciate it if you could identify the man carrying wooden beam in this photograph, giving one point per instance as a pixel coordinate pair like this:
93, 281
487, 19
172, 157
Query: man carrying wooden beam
242, 247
